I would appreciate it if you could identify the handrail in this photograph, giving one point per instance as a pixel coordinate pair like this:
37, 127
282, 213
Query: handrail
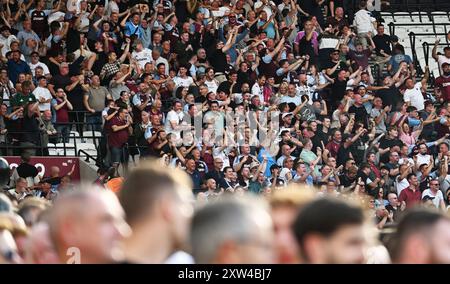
88, 156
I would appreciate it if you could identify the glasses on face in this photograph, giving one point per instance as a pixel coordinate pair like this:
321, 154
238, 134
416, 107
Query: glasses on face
434, 184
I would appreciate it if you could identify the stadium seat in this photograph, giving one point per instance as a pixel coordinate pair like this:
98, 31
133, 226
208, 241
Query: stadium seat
52, 150
70, 150
89, 148
91, 135
420, 17
402, 17
75, 137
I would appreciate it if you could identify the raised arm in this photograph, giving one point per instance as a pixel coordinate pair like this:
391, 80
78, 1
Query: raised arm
434, 52
126, 51
124, 20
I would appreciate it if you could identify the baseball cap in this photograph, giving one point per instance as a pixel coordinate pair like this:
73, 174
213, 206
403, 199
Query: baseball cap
427, 197
253, 165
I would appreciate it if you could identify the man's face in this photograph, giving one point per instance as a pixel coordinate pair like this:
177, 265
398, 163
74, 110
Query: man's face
359, 48
262, 81
413, 181
43, 82
16, 56
393, 133
64, 70
409, 83
346, 246
380, 30
393, 199
190, 164
201, 54
211, 184
177, 107
394, 157
229, 174
447, 52
443, 148
101, 228
27, 25
6, 33
95, 80
285, 245
423, 149
123, 114
154, 120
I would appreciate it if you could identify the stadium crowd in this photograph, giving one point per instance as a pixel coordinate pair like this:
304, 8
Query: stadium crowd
308, 105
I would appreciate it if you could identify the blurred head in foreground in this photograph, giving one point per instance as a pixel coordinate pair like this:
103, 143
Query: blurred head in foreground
158, 204
330, 231
422, 237
233, 231
87, 225
285, 205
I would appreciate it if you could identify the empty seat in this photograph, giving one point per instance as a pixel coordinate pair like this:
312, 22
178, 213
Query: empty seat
89, 136
440, 17
70, 149
420, 17
402, 17
88, 148
90, 133
52, 150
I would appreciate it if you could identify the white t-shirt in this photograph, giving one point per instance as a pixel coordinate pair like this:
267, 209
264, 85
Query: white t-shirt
43, 65
173, 116
437, 198
258, 91
55, 16
363, 22
112, 7
441, 60
6, 43
73, 6
185, 82
415, 96
39, 93
143, 57
212, 85
401, 185
267, 8
423, 159
221, 12
297, 100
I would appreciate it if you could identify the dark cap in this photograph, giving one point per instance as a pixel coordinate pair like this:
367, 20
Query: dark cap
394, 38
427, 197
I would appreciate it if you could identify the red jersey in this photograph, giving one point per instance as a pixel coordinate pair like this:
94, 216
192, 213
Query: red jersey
443, 83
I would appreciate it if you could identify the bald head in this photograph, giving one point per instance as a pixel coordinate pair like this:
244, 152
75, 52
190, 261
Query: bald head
223, 231
90, 220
